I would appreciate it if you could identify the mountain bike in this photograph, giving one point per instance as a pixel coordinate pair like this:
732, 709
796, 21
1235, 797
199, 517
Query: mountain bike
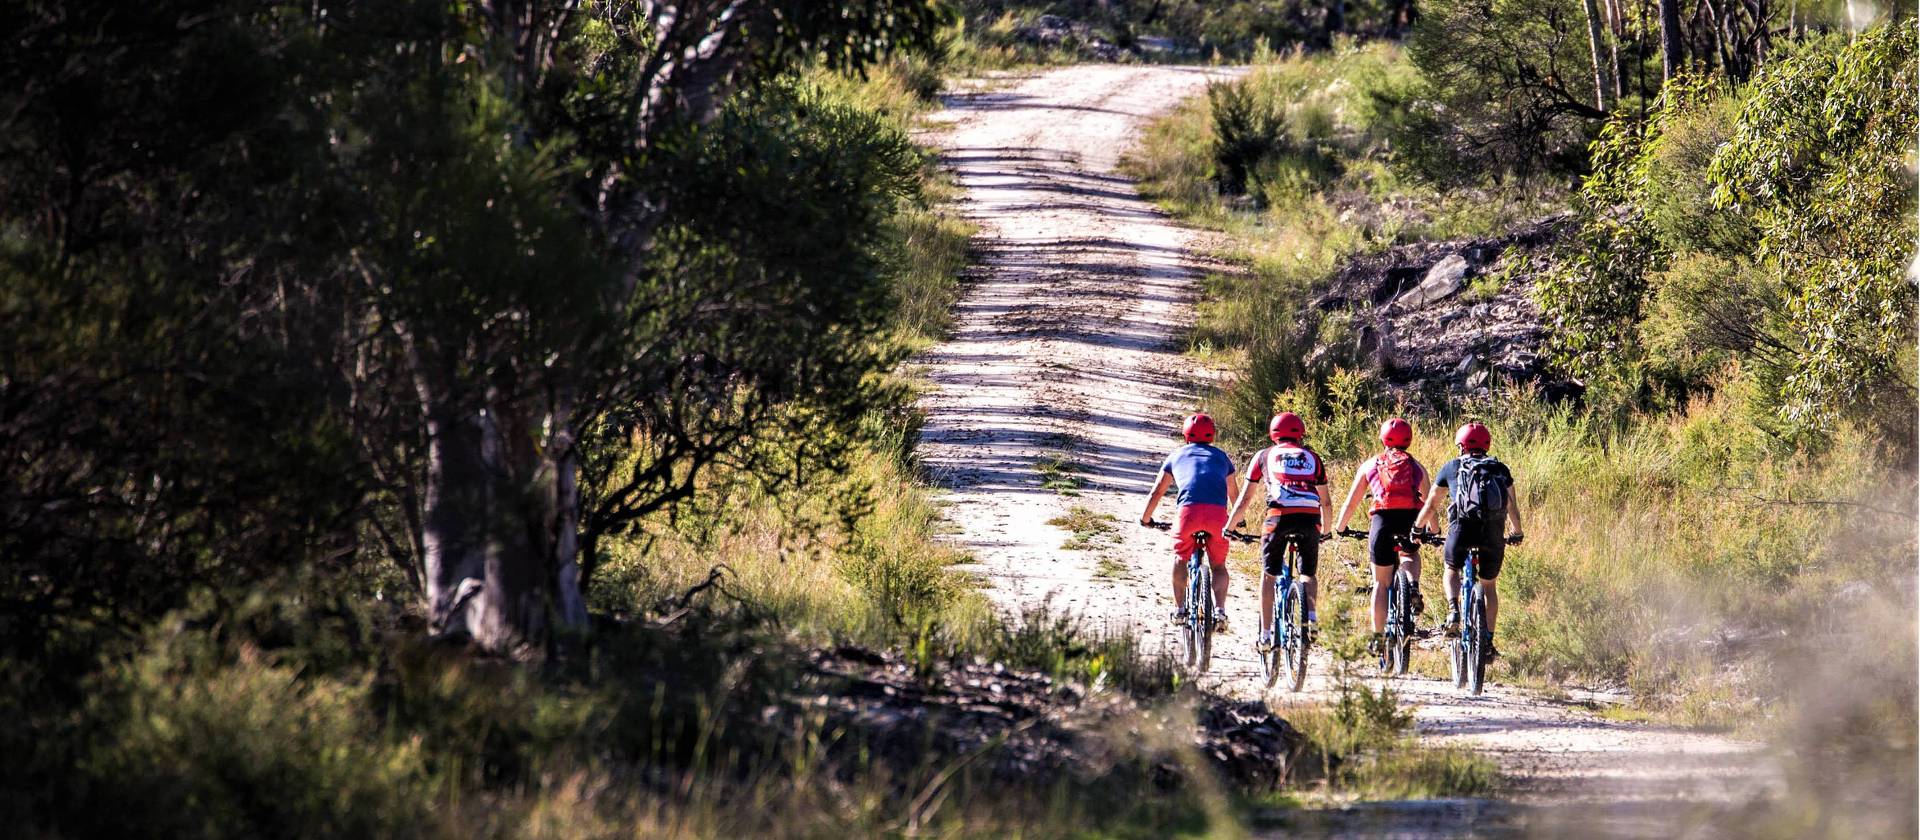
1289, 631
1396, 647
1467, 655
1196, 632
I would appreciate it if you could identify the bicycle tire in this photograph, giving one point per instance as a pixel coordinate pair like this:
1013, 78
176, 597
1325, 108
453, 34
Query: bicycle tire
1477, 654
1298, 643
1204, 618
1270, 661
1189, 635
1403, 657
1457, 648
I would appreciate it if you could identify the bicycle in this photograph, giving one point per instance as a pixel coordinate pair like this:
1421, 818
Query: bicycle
1291, 637
1396, 648
1196, 632
1467, 656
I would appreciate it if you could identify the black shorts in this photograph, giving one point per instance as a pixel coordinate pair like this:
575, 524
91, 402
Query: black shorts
1381, 537
1486, 536
1273, 549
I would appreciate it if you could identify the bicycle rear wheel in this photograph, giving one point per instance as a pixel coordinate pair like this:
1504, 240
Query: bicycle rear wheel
1297, 640
1400, 623
1203, 618
1457, 654
1477, 650
1271, 662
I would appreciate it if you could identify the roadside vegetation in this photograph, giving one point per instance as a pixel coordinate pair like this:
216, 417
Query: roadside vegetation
1732, 492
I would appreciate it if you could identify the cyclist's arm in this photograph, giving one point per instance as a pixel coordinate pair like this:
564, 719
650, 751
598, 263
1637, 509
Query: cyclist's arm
1354, 496
1153, 500
1426, 518
1235, 490
1513, 512
1245, 495
1326, 505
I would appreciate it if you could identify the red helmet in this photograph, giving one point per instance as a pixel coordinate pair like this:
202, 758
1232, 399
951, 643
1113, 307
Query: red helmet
1397, 433
1287, 426
1473, 437
1198, 429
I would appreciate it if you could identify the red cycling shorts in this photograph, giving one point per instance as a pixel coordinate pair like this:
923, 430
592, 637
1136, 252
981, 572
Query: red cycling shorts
1209, 518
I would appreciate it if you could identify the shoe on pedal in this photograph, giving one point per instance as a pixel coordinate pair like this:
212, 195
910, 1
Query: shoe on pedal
1219, 620
1264, 644
1375, 645
1492, 653
1452, 625
1416, 603
1178, 616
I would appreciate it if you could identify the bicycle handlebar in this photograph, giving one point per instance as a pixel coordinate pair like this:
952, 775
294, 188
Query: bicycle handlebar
1353, 534
1158, 526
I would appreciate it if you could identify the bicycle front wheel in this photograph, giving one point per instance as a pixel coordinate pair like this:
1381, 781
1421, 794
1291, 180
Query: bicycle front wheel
1203, 620
1271, 661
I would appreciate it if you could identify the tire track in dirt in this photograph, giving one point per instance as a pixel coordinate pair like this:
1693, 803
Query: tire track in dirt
1064, 365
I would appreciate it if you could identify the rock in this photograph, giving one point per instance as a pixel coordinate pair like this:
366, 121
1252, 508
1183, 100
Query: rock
1442, 280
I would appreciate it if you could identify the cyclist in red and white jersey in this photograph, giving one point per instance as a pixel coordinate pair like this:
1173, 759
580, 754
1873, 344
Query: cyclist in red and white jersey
1294, 480
1397, 482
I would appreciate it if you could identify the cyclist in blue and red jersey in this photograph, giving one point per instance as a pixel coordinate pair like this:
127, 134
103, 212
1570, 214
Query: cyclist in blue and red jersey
1295, 482
1205, 478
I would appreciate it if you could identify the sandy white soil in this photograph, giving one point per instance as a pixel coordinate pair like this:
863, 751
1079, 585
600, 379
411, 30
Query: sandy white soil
1066, 352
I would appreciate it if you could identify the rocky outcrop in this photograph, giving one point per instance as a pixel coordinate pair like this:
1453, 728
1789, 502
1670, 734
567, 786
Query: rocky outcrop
1416, 317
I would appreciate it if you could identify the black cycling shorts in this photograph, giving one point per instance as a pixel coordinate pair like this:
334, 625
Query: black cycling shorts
1387, 526
1273, 549
1486, 536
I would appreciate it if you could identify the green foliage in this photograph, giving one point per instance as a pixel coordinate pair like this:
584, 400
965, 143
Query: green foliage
1769, 227
1501, 91
1823, 159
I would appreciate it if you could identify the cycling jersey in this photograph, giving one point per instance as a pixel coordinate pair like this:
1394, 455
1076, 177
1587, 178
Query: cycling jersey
1292, 474
1200, 471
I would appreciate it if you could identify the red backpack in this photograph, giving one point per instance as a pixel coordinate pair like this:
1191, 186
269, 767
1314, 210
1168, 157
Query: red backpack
1396, 481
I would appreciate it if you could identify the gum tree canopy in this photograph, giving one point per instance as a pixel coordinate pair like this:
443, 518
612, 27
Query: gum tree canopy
312, 285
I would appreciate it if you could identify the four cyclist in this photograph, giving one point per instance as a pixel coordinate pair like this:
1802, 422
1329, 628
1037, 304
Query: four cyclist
1478, 491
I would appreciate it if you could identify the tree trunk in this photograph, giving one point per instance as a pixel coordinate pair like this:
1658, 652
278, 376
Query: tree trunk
486, 579
1673, 53
1598, 54
1615, 30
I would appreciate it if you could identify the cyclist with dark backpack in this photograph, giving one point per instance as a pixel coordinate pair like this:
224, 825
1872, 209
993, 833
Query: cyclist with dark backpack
1397, 482
1481, 503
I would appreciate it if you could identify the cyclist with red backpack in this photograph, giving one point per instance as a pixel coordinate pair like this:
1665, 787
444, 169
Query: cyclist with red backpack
1204, 478
1397, 482
1295, 482
1481, 502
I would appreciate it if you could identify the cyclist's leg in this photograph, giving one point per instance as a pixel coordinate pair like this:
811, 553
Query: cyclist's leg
1384, 560
1454, 554
1493, 554
1307, 526
1273, 552
1182, 549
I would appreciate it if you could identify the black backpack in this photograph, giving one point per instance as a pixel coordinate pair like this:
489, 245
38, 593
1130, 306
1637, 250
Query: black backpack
1480, 489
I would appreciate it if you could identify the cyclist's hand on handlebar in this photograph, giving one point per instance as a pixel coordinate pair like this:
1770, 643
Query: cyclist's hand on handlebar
1242, 537
1355, 534
1515, 538
1426, 536
1160, 526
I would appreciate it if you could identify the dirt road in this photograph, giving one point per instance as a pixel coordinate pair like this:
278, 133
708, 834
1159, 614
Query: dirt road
1060, 392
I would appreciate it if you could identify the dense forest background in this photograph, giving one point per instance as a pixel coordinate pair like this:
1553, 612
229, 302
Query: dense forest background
384, 387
